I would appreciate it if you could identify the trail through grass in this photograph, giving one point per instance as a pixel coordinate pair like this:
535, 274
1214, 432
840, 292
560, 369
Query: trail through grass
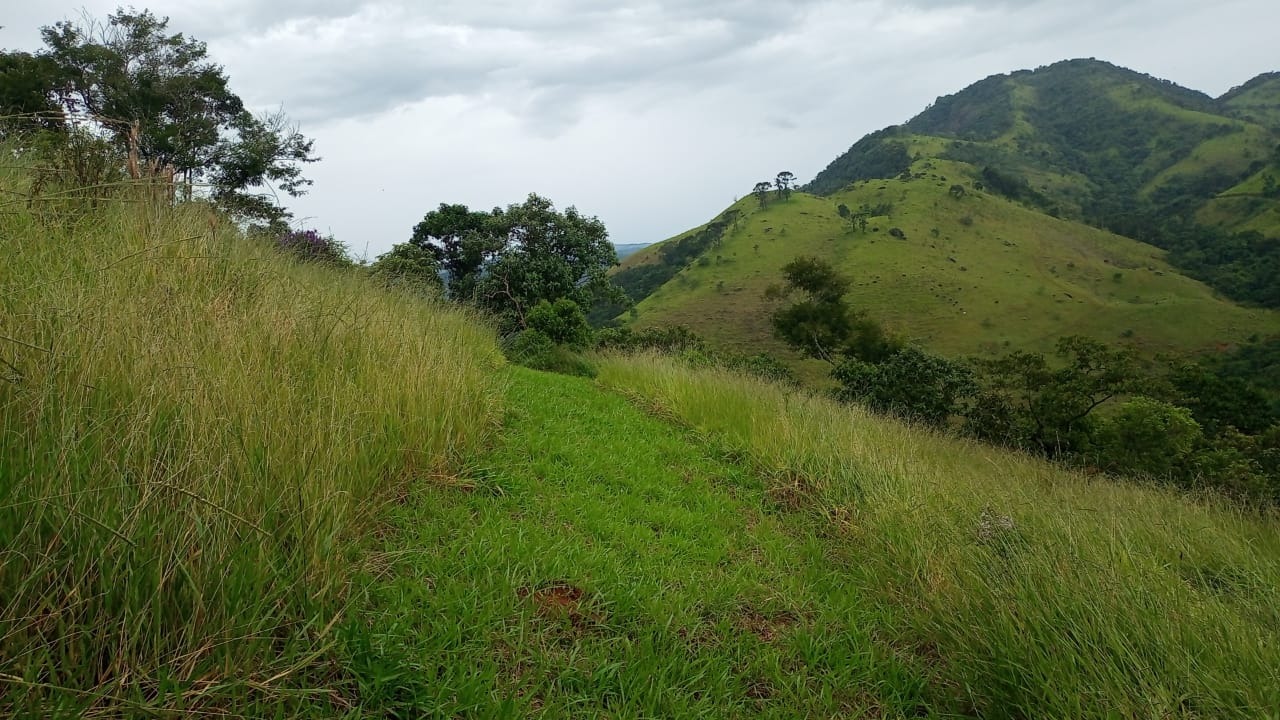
1035, 592
600, 564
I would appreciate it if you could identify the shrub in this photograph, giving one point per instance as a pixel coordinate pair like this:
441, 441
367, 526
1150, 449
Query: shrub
563, 322
1147, 437
311, 246
535, 349
408, 265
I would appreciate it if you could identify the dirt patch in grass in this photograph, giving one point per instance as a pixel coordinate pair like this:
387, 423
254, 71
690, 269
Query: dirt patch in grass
562, 601
768, 626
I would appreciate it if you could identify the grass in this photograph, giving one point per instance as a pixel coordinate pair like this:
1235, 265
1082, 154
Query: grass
1028, 591
974, 276
235, 484
195, 435
603, 563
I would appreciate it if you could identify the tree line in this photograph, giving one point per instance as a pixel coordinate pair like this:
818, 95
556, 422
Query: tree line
1089, 404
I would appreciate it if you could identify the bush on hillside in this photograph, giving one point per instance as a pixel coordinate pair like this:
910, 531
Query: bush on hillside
311, 246
562, 321
536, 350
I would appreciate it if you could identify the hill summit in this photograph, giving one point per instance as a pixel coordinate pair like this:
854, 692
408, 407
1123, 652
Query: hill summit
1080, 197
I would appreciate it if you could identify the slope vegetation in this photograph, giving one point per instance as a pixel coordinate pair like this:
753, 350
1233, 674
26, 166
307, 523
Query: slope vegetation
970, 275
195, 435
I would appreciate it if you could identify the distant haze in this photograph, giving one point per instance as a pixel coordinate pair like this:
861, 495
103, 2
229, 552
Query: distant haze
653, 116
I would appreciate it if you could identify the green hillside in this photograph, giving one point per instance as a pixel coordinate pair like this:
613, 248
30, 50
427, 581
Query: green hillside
1018, 256
237, 484
1256, 101
1116, 149
972, 275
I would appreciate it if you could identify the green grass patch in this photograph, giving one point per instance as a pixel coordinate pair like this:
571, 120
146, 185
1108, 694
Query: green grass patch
603, 563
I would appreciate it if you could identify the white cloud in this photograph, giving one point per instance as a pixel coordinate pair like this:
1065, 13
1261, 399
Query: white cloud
653, 114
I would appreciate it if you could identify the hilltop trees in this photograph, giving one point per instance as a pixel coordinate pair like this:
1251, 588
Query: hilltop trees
508, 260
783, 183
761, 191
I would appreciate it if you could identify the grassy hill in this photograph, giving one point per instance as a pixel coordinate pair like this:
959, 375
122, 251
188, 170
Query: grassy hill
1042, 160
973, 275
236, 484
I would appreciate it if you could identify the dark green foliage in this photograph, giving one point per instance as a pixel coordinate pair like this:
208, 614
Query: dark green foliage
27, 84
166, 108
408, 265
508, 260
533, 349
878, 155
910, 383
1221, 401
783, 183
157, 93
1012, 187
563, 321
1050, 409
822, 325
1147, 437
263, 153
463, 240
761, 192
983, 111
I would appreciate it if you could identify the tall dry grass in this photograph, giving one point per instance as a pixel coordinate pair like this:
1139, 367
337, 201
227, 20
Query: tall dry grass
1031, 591
195, 435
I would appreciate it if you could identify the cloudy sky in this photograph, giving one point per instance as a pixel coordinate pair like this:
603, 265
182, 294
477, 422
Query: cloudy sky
652, 115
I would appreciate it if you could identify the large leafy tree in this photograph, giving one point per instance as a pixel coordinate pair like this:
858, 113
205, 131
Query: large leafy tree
1052, 408
166, 107
509, 260
158, 94
26, 91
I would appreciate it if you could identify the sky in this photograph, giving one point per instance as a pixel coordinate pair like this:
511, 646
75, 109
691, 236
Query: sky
654, 115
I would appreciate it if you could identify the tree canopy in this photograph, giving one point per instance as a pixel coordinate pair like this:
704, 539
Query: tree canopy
164, 105
508, 260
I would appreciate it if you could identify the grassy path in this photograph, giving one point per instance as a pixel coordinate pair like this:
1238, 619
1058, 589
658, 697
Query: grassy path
601, 564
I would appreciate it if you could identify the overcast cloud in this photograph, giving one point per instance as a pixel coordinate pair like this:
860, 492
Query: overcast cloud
652, 115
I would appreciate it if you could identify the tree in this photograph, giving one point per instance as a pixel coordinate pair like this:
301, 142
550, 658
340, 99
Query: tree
843, 211
265, 152
761, 191
783, 183
27, 84
408, 265
822, 325
464, 241
1148, 437
508, 260
562, 321
162, 100
169, 111
1051, 408
909, 383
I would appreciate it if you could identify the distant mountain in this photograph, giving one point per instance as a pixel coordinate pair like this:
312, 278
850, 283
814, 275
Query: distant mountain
625, 250
997, 218
1090, 141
